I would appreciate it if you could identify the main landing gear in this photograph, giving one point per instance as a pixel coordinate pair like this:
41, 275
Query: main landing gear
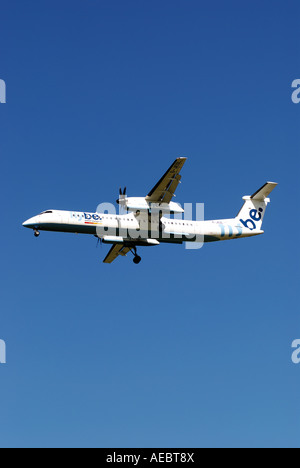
36, 233
137, 259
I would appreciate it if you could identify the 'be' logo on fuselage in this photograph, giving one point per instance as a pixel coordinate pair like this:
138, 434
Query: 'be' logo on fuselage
255, 216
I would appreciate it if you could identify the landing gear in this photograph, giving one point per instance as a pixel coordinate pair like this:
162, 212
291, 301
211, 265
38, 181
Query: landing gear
36, 233
137, 259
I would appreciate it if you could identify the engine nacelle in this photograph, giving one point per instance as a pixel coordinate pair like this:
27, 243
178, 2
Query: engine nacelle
141, 204
123, 240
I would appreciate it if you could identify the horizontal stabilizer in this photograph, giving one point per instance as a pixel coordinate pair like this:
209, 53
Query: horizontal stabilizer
264, 191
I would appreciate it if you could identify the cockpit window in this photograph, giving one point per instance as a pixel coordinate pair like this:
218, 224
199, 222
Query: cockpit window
46, 212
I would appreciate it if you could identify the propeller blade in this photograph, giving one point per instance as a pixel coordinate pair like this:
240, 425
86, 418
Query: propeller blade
99, 241
122, 196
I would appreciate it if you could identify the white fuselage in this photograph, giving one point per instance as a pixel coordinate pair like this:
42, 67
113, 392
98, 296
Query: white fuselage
132, 228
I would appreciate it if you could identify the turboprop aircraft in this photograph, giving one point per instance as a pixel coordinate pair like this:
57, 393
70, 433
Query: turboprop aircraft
148, 221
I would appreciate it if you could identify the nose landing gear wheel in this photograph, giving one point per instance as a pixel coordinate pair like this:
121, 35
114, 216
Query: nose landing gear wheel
36, 233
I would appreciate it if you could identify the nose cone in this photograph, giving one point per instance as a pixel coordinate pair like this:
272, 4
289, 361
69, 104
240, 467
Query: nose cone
31, 223
27, 224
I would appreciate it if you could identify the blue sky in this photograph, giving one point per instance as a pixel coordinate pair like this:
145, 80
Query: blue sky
190, 348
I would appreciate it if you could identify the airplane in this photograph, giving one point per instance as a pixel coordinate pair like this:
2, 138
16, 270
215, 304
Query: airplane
146, 221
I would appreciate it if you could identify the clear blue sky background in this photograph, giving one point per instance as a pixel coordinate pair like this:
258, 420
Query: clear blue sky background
189, 348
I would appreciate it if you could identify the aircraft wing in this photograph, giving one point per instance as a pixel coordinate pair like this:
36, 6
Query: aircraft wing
115, 251
164, 190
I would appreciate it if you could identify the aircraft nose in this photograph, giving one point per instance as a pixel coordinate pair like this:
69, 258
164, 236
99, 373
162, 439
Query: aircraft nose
27, 223
30, 223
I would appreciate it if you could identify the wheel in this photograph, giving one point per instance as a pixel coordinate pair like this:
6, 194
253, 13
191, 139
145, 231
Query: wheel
137, 259
36, 233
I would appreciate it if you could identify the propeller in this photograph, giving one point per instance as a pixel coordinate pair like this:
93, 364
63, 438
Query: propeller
99, 241
122, 195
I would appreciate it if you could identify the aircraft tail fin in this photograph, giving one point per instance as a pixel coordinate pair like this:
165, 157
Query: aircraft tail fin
252, 213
